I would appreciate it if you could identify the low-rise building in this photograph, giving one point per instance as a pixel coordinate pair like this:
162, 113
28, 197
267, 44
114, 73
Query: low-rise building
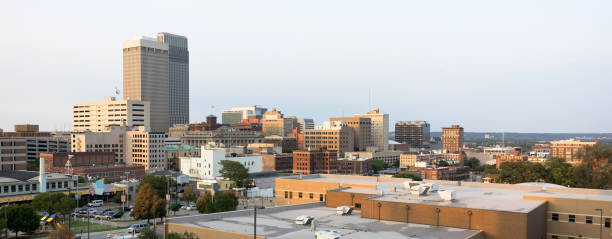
16, 183
224, 135
207, 166
389, 157
314, 161
274, 162
174, 152
92, 164
508, 158
567, 149
355, 166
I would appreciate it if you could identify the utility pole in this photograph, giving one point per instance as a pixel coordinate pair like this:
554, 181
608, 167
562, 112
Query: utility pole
6, 220
600, 222
254, 222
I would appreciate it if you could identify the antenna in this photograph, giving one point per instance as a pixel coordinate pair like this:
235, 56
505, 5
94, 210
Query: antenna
503, 140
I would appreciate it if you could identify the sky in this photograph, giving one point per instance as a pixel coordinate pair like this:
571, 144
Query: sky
490, 66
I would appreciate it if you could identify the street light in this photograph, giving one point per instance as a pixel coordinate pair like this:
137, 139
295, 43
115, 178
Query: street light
600, 222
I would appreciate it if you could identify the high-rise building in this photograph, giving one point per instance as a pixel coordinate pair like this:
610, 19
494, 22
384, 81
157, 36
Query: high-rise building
146, 148
146, 78
415, 133
274, 123
314, 162
231, 117
97, 116
334, 135
305, 124
362, 130
178, 70
452, 139
567, 149
380, 128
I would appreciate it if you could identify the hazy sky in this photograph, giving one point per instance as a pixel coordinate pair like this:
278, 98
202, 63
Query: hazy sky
521, 66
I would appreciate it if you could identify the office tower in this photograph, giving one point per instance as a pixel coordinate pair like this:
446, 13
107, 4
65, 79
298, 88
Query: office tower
452, 139
274, 123
110, 139
362, 129
178, 70
380, 128
231, 117
97, 116
334, 135
145, 148
415, 133
146, 78
36, 142
305, 124
567, 149
251, 112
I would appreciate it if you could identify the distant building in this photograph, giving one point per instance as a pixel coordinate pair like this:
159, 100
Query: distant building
287, 144
415, 133
231, 117
36, 142
315, 161
224, 135
281, 163
567, 149
174, 152
146, 77
274, 123
111, 139
97, 116
390, 158
380, 128
207, 166
334, 135
23, 183
304, 124
146, 149
251, 112
362, 131
499, 159
93, 164
354, 166
452, 139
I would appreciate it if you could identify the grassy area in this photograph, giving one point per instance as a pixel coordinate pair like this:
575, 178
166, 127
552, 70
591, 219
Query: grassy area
77, 226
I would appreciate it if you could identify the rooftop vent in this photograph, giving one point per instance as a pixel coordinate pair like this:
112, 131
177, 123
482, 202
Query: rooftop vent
447, 195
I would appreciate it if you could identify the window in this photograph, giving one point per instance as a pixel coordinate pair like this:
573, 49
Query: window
607, 224
554, 237
300, 195
572, 218
311, 195
321, 197
286, 194
357, 205
589, 220
290, 194
555, 216
34, 187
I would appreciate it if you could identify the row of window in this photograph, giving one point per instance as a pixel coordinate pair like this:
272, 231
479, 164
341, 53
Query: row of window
588, 219
289, 194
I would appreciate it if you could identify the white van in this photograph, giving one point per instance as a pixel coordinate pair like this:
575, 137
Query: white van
95, 203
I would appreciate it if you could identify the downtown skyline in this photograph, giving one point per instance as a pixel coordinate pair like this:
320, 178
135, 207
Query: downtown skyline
542, 73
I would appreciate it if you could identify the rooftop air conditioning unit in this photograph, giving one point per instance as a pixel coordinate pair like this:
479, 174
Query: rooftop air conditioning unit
447, 195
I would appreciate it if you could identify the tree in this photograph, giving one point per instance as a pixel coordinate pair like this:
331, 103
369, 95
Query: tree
443, 163
188, 195
474, 164
236, 172
205, 203
558, 172
158, 183
148, 233
598, 156
81, 179
62, 233
490, 169
23, 219
159, 208
408, 175
117, 197
185, 235
226, 201
378, 165
520, 172
144, 203
54, 203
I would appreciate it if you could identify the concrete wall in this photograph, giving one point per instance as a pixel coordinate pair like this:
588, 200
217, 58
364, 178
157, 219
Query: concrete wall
206, 233
338, 198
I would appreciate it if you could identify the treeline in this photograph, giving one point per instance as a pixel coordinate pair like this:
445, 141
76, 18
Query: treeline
595, 170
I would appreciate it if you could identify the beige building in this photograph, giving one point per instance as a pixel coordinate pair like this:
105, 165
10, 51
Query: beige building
379, 129
334, 135
389, 157
274, 123
146, 149
97, 116
226, 136
12, 154
362, 129
110, 139
567, 149
146, 78
452, 139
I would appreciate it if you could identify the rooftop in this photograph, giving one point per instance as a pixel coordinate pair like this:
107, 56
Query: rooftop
279, 222
499, 197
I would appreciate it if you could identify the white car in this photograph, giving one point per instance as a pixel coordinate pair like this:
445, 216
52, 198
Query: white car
327, 234
304, 220
189, 207
96, 203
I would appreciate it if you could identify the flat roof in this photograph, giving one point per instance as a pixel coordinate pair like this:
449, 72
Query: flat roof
281, 225
498, 197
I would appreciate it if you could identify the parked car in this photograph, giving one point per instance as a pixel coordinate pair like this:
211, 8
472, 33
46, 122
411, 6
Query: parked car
106, 215
304, 220
96, 203
327, 234
189, 207
137, 228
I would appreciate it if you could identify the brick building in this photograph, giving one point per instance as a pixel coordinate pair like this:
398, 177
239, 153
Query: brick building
281, 163
567, 149
313, 162
354, 166
499, 159
100, 164
415, 133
